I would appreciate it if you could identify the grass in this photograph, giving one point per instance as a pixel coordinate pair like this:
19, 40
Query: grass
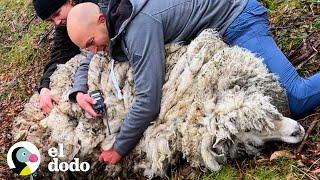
22, 61
282, 168
316, 24
226, 173
315, 137
19, 38
291, 20
22, 58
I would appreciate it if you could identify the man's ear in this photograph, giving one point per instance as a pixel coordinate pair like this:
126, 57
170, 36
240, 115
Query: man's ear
72, 2
101, 18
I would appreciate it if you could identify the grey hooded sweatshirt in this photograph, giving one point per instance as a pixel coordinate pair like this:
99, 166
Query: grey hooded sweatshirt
141, 39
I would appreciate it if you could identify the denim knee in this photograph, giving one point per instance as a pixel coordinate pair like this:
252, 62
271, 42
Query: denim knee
297, 111
299, 97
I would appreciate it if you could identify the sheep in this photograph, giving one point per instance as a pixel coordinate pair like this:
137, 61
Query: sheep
218, 103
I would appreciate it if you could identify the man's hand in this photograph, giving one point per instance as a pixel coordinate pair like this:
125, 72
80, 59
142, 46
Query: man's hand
85, 102
46, 100
110, 156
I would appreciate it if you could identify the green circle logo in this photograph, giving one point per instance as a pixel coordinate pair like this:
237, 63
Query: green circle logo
23, 158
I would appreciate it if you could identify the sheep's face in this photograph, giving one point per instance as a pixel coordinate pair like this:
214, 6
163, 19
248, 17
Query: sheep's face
248, 143
286, 130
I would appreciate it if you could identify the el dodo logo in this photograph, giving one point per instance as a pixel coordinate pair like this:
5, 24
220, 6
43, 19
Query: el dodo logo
55, 165
23, 158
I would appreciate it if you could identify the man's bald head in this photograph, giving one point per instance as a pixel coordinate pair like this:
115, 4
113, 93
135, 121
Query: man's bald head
87, 26
83, 13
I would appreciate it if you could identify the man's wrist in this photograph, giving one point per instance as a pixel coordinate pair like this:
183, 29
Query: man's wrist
43, 90
79, 93
74, 92
44, 84
118, 149
74, 95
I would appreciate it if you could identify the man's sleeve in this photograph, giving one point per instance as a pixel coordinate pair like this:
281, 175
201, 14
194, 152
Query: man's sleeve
145, 45
81, 78
62, 51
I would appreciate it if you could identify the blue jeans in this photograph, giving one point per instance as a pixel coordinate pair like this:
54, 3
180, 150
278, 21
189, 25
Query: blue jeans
251, 30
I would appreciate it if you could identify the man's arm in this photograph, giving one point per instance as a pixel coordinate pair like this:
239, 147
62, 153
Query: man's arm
79, 90
62, 51
81, 78
146, 50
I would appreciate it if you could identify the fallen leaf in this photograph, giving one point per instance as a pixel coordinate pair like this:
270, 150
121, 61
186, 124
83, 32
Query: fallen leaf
282, 153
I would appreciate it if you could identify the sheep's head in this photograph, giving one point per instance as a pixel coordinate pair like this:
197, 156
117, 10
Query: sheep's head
285, 129
215, 151
252, 141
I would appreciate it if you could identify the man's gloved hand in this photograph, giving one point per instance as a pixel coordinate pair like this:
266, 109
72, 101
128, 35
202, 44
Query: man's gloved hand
46, 100
85, 102
110, 156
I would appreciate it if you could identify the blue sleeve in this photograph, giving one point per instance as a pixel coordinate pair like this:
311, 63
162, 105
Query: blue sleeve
145, 48
81, 78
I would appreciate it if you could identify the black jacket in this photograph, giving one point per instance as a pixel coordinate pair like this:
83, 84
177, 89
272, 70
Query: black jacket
62, 51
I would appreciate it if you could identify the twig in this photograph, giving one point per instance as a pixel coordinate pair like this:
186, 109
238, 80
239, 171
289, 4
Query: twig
305, 61
315, 48
315, 114
45, 36
314, 164
311, 48
239, 169
29, 22
304, 173
312, 125
295, 50
287, 26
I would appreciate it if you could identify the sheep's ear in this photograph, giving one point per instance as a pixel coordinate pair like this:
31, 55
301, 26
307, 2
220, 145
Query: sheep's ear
208, 156
220, 149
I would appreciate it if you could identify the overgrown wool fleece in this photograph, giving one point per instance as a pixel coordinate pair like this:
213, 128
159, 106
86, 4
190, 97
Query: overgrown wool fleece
211, 92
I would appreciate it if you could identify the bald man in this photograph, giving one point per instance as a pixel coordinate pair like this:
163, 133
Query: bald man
92, 18
137, 30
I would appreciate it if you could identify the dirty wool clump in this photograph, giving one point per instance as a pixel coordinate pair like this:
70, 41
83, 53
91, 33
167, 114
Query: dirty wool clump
212, 93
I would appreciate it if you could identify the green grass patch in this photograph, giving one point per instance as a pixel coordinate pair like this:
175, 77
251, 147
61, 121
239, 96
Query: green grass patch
19, 34
298, 38
271, 4
316, 23
265, 173
282, 168
21, 55
226, 173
